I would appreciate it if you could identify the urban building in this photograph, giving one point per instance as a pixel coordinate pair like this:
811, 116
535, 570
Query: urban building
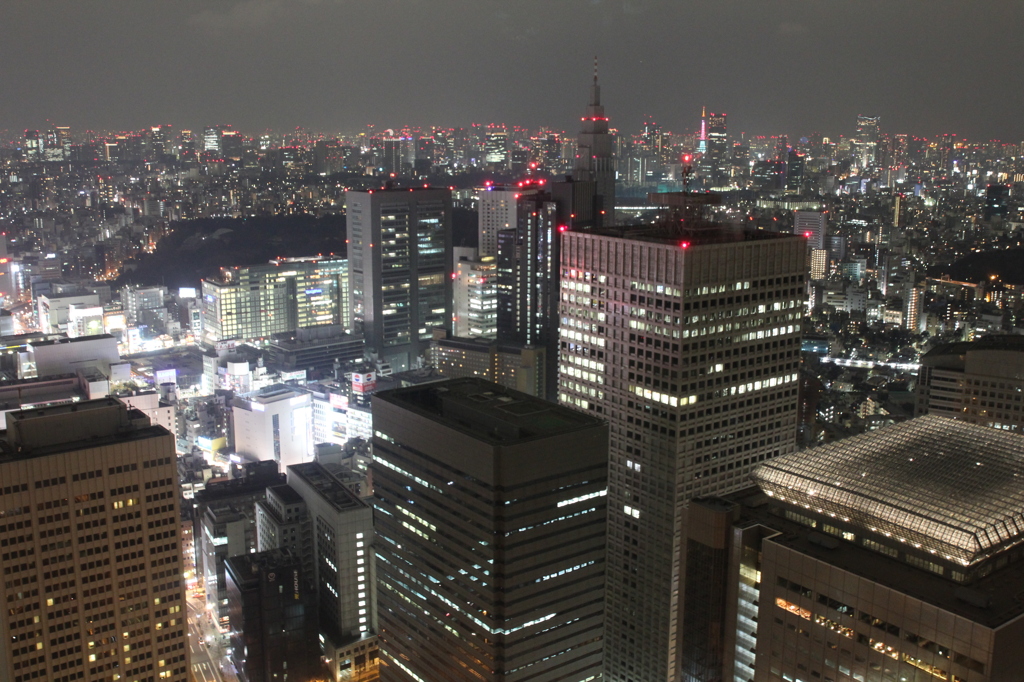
272, 611
400, 269
527, 277
475, 293
344, 567
688, 343
981, 382
496, 210
595, 161
813, 225
283, 522
91, 546
519, 367
892, 555
490, 522
274, 423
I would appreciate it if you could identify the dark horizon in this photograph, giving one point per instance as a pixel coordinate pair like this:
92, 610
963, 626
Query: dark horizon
787, 67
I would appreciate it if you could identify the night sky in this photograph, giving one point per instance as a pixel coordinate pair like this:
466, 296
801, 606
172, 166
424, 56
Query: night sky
775, 66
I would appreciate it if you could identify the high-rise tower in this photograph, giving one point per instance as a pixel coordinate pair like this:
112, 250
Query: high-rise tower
400, 269
91, 560
490, 535
689, 345
594, 158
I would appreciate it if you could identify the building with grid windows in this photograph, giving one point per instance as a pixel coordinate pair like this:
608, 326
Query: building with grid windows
981, 382
343, 565
400, 269
490, 523
893, 555
91, 555
688, 343
258, 301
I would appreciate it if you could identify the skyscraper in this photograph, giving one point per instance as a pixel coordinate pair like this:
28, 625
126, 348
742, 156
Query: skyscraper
91, 555
400, 269
527, 310
688, 343
272, 611
866, 143
594, 157
490, 525
496, 210
716, 163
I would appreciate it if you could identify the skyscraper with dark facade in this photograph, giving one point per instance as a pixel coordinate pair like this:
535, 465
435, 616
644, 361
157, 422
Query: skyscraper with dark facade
400, 269
272, 611
528, 277
688, 343
716, 163
490, 535
595, 160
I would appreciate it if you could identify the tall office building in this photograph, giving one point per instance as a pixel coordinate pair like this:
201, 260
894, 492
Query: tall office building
688, 343
866, 143
716, 162
893, 555
272, 612
343, 554
490, 525
595, 160
91, 555
496, 210
400, 269
475, 298
813, 225
496, 147
527, 310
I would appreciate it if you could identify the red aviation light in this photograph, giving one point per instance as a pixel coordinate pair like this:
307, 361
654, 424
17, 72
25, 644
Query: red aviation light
807, 235
684, 245
563, 228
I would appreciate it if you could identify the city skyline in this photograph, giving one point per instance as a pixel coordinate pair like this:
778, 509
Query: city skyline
791, 67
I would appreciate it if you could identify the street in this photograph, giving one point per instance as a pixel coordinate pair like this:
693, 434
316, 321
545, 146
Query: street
208, 663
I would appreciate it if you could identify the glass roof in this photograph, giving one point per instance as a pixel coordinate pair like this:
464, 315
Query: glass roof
951, 488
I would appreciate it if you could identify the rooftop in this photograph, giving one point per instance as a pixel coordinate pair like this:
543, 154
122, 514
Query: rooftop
691, 236
954, 488
327, 486
487, 411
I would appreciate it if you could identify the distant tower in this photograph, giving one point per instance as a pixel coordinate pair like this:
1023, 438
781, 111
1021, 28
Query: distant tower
594, 160
702, 146
866, 143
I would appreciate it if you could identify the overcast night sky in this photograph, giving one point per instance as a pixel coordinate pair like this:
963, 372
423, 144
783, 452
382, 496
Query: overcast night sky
775, 66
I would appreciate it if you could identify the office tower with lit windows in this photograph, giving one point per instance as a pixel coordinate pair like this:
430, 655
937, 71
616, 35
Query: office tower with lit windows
715, 164
496, 150
91, 546
527, 311
400, 269
343, 552
257, 301
246, 303
496, 210
688, 343
866, 143
595, 160
981, 382
475, 298
813, 225
490, 535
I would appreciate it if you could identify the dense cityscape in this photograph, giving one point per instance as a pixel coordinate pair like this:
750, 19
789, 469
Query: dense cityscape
483, 402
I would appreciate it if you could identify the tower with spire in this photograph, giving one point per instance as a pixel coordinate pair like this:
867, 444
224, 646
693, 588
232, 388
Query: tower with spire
594, 158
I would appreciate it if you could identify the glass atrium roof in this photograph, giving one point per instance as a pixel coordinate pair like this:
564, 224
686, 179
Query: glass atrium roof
945, 486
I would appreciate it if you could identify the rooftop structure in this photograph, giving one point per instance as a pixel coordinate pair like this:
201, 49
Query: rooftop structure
954, 489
